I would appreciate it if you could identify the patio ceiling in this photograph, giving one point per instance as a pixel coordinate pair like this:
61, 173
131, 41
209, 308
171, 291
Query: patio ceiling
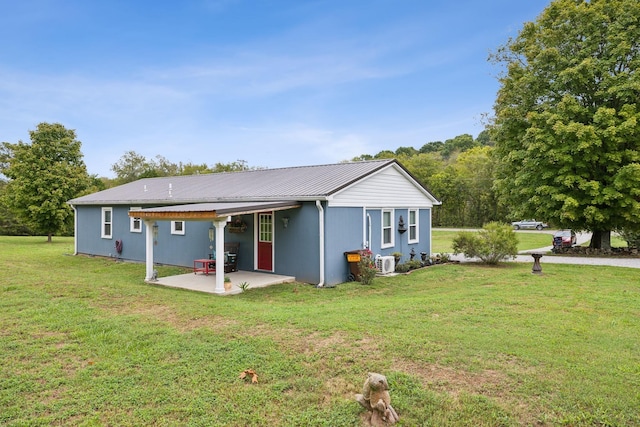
209, 211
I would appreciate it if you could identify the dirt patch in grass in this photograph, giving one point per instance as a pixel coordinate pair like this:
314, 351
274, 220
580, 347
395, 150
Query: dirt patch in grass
489, 383
316, 342
166, 314
455, 381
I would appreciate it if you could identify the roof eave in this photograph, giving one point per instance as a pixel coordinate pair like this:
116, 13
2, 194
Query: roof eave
135, 202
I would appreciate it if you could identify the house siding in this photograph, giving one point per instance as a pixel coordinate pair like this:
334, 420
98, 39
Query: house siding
401, 243
170, 249
387, 188
343, 233
245, 239
176, 249
368, 188
89, 240
297, 247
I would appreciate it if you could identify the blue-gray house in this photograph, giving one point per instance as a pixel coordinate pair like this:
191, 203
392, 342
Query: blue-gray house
296, 221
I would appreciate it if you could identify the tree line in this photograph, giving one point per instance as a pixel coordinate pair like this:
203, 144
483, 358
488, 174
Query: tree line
459, 173
46, 173
41, 176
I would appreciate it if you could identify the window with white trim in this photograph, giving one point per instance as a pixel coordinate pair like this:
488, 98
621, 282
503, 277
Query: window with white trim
177, 227
107, 223
135, 224
414, 230
387, 228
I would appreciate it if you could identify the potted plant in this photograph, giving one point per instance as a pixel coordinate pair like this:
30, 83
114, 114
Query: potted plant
397, 256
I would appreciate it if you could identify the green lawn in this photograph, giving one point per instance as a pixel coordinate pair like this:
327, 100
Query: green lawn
527, 240
84, 341
441, 240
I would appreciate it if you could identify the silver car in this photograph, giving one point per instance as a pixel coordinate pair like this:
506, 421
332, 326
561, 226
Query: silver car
529, 224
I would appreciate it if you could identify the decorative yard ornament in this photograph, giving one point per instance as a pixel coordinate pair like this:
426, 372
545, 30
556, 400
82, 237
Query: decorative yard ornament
537, 268
401, 227
119, 246
376, 400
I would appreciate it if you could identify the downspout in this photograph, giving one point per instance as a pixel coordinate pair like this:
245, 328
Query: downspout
75, 230
321, 231
430, 230
369, 232
365, 242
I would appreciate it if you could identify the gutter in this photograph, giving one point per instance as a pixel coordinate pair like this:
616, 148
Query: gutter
321, 231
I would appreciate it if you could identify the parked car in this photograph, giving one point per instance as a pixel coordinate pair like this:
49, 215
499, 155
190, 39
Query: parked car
531, 224
563, 239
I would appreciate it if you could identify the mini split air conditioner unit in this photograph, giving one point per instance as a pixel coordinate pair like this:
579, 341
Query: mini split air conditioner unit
386, 264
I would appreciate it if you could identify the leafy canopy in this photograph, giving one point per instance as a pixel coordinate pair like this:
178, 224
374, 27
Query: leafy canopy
43, 176
132, 166
567, 116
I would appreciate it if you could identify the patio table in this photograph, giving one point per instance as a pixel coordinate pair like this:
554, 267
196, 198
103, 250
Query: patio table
202, 265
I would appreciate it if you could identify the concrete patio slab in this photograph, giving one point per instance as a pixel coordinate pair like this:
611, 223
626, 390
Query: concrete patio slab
207, 283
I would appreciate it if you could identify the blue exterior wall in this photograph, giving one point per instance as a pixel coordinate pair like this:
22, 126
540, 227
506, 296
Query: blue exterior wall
401, 243
245, 239
297, 247
171, 249
425, 233
181, 250
89, 240
343, 233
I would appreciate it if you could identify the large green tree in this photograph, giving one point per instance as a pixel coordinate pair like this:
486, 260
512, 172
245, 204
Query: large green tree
567, 117
10, 225
43, 176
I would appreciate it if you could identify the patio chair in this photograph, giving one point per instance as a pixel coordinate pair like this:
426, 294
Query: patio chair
230, 257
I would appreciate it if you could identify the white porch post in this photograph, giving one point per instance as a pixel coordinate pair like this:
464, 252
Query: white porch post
149, 249
220, 224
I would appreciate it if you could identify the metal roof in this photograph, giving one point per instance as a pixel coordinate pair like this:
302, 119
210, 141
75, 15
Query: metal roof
284, 184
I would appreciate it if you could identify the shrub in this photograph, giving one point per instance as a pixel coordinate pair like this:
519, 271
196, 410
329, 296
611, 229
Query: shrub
440, 258
367, 270
492, 244
413, 264
631, 237
402, 268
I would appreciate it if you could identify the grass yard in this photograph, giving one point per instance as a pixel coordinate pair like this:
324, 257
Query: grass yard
84, 341
441, 240
527, 240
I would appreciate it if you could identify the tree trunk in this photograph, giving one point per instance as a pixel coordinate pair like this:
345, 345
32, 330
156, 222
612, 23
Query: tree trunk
49, 237
601, 239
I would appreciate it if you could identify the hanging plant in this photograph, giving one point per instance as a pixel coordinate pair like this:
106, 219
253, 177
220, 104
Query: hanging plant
237, 225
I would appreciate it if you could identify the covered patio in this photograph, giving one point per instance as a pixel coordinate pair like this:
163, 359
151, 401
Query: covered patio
219, 214
207, 283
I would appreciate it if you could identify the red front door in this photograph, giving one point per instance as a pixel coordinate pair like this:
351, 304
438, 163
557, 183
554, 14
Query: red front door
265, 241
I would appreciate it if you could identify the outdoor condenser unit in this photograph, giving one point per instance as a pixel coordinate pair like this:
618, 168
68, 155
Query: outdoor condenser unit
386, 264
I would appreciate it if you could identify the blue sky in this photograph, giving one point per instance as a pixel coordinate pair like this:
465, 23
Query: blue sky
276, 83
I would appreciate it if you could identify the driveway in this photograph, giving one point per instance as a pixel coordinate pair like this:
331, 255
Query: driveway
580, 239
